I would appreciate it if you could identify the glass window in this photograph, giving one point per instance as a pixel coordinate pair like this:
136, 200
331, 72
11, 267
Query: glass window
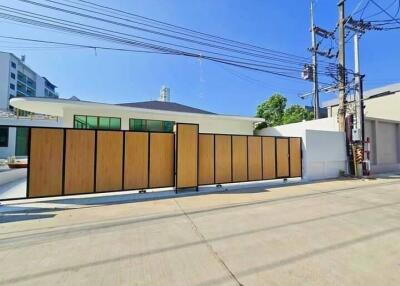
13, 75
96, 122
104, 123
21, 144
151, 125
80, 121
91, 122
12, 86
3, 136
14, 65
115, 123
168, 126
137, 125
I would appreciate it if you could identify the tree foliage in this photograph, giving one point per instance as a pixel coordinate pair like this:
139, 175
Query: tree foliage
296, 113
275, 112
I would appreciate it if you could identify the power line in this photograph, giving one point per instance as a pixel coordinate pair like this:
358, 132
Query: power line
60, 21
179, 27
103, 34
242, 51
171, 51
384, 11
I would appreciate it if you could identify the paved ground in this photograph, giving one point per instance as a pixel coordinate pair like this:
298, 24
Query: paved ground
344, 232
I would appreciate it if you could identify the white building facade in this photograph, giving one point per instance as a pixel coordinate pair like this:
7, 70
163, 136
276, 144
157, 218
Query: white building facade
142, 116
19, 80
382, 125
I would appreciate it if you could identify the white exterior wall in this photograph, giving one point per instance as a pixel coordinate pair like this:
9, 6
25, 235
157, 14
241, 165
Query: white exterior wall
383, 107
216, 124
324, 148
6, 152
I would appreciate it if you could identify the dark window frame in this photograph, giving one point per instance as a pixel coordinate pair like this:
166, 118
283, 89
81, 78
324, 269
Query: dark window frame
7, 136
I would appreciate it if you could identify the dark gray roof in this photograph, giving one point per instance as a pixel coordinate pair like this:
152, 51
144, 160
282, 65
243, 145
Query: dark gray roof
168, 106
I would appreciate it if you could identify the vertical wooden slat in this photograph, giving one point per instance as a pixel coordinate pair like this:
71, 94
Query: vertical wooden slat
79, 161
239, 158
187, 155
255, 158
161, 160
46, 162
109, 161
282, 151
268, 158
295, 157
223, 160
136, 160
206, 159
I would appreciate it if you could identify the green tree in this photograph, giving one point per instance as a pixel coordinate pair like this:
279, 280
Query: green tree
272, 110
296, 113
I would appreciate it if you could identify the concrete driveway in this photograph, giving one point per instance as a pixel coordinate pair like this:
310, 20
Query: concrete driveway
342, 232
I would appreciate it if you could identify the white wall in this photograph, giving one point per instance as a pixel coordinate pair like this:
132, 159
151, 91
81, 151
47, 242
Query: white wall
324, 149
298, 129
6, 152
324, 154
383, 107
206, 124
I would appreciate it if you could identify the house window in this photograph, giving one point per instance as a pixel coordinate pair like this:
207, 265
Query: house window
13, 65
12, 86
13, 75
97, 122
3, 136
151, 125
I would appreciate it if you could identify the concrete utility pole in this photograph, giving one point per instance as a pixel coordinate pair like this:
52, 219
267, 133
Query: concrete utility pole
357, 79
314, 63
342, 69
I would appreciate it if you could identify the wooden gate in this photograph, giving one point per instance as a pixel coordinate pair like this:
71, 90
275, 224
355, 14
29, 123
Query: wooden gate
76, 161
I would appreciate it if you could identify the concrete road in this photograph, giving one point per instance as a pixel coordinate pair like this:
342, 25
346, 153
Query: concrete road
343, 232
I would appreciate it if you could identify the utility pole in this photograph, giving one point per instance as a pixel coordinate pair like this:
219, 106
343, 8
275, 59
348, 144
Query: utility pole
357, 80
314, 63
342, 69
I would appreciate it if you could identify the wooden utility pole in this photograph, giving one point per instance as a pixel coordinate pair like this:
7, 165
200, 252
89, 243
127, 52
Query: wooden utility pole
342, 69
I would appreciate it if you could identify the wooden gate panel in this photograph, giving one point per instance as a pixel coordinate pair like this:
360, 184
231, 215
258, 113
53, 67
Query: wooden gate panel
162, 156
187, 155
109, 160
223, 159
46, 162
136, 160
295, 157
206, 159
254, 158
239, 158
79, 161
269, 158
282, 153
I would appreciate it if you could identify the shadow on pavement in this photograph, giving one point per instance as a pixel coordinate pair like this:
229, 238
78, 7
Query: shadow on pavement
8, 218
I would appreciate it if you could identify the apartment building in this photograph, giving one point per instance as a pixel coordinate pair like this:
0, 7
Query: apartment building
19, 80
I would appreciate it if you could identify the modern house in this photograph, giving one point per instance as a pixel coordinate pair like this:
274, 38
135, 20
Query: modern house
382, 125
158, 115
19, 80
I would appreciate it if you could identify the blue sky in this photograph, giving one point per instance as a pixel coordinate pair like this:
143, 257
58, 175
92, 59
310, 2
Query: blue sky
116, 77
